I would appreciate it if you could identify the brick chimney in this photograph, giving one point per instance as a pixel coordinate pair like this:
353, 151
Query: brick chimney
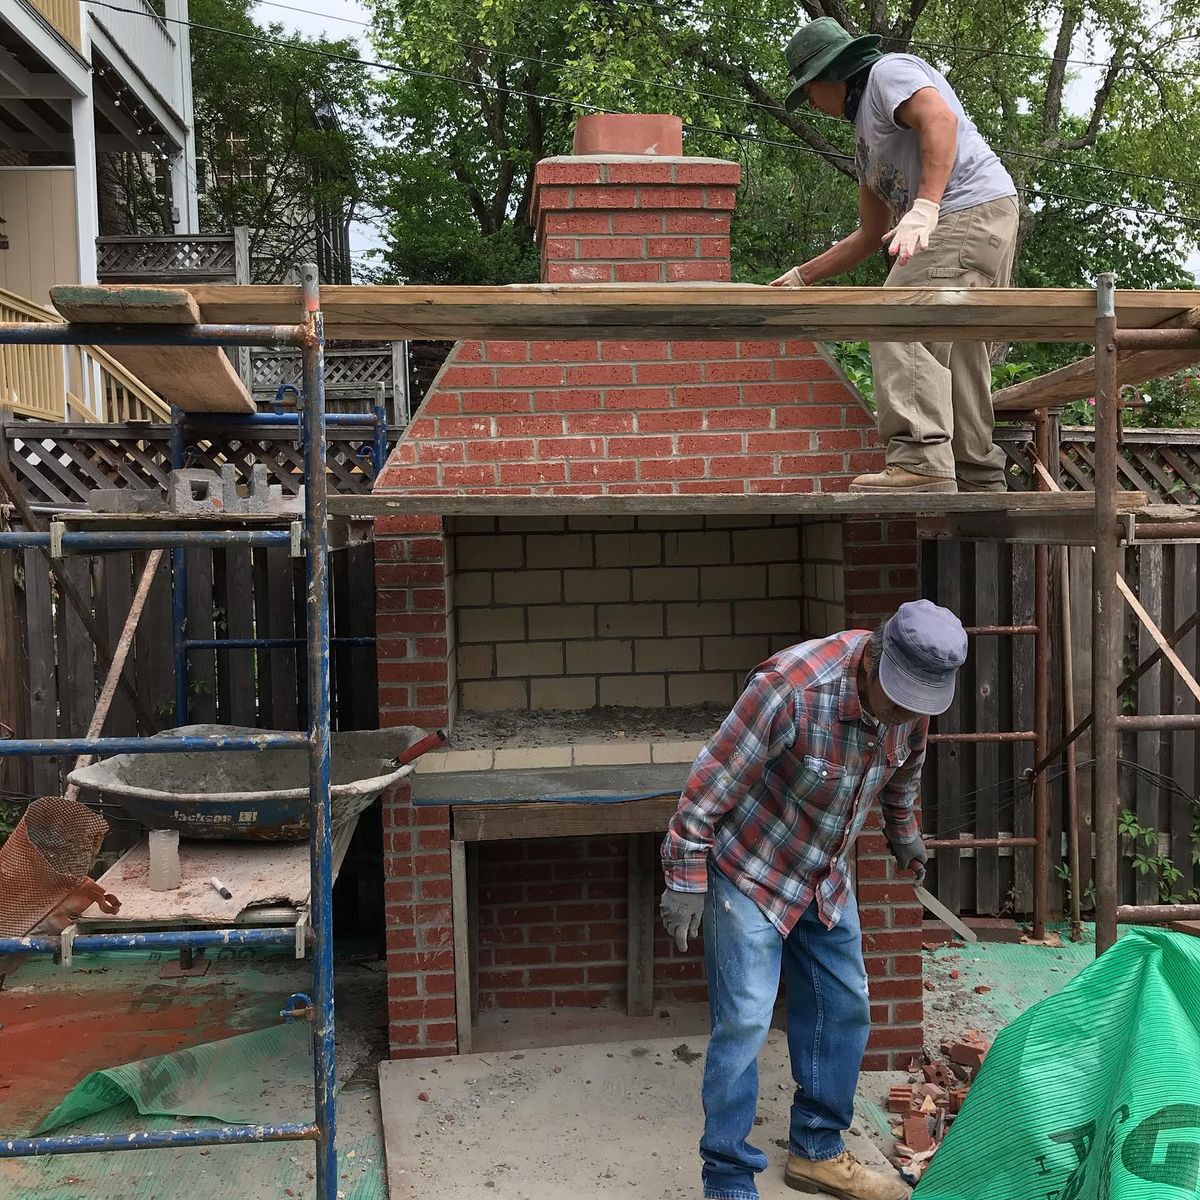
621, 416
608, 215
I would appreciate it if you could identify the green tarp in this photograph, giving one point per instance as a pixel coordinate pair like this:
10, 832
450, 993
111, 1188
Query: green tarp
255, 1078
1093, 1094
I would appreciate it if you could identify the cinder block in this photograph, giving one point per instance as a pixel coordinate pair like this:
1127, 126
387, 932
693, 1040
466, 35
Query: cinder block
527, 587
529, 659
767, 616
602, 754
666, 654
767, 545
471, 525
733, 583
670, 523
564, 693
690, 620
785, 579
194, 491
709, 687
125, 500
710, 547
491, 625
629, 620
472, 588
596, 586
477, 661
532, 524
666, 583
598, 656
490, 553
633, 691
735, 654
558, 550
561, 621
495, 695
599, 524
629, 549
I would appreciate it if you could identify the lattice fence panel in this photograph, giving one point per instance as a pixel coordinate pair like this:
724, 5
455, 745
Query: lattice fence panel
168, 257
1165, 464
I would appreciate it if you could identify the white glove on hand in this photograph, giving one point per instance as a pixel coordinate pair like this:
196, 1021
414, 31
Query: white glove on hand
790, 279
913, 231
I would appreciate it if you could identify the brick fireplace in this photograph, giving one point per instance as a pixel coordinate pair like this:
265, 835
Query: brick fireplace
557, 641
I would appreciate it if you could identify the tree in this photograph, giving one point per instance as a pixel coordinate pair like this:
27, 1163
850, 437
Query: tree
281, 134
501, 81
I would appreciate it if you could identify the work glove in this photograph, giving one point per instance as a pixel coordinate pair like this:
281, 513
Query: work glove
790, 279
911, 235
681, 913
911, 855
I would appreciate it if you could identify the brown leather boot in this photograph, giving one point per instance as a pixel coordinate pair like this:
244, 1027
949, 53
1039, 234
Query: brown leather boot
844, 1177
896, 479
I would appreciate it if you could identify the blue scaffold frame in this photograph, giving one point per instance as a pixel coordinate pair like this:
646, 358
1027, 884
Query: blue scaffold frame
309, 336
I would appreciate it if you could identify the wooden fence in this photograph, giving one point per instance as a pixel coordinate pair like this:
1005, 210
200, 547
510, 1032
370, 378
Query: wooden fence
979, 790
61, 464
50, 673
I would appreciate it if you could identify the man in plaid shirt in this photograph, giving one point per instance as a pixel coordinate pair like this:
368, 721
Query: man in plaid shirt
759, 848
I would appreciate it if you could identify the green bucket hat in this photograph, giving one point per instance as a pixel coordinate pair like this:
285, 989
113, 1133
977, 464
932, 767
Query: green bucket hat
824, 50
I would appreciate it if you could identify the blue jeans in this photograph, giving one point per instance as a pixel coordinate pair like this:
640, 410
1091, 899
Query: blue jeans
828, 1020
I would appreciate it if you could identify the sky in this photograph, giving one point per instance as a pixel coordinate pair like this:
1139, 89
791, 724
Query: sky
341, 18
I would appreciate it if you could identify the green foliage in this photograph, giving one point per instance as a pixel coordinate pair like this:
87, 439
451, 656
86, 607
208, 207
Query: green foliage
1142, 852
281, 132
459, 151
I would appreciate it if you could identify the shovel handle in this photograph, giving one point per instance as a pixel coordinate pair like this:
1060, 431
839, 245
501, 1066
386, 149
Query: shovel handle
429, 742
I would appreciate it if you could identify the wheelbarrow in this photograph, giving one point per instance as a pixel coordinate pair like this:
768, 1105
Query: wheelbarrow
253, 795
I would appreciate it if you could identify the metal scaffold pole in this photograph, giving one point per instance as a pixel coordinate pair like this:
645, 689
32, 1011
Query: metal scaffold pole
316, 547
1106, 618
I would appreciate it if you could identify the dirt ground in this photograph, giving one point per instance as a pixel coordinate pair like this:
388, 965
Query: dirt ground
952, 1006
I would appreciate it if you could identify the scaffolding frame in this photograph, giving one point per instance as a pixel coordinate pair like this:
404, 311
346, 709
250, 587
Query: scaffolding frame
309, 336
1111, 526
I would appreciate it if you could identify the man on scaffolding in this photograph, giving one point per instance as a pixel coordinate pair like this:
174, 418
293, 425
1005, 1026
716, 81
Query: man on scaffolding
933, 191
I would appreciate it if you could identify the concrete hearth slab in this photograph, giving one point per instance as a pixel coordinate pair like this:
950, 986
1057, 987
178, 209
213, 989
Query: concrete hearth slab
616, 1119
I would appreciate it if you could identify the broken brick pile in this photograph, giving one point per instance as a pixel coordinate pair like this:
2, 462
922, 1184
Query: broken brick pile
930, 1101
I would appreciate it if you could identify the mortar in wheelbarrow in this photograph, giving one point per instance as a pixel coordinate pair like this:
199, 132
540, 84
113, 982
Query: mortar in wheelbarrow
248, 795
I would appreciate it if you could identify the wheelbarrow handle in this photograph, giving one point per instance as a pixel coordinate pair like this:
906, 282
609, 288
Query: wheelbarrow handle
429, 742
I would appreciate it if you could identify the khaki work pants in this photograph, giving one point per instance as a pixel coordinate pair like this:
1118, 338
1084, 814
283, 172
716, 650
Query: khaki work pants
934, 399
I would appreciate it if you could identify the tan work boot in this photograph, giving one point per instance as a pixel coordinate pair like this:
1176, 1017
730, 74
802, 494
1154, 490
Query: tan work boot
844, 1177
897, 479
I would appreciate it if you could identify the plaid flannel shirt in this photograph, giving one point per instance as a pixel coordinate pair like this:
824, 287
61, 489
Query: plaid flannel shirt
779, 794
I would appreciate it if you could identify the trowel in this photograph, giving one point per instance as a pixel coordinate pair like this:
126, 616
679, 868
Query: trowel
930, 902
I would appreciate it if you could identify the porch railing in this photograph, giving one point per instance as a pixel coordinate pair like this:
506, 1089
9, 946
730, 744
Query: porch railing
144, 39
64, 16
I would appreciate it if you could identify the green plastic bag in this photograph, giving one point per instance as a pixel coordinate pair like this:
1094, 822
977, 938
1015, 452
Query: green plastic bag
1093, 1094
226, 1080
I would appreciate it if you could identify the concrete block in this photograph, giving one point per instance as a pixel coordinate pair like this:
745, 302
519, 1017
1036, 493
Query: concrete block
563, 693
491, 553
785, 579
666, 654
767, 616
708, 687
629, 549
767, 545
560, 621
472, 588
629, 620
476, 661
709, 548
666, 583
631, 691
691, 620
529, 659
735, 653
598, 657
194, 491
558, 550
527, 587
733, 583
126, 500
491, 624
495, 695
596, 587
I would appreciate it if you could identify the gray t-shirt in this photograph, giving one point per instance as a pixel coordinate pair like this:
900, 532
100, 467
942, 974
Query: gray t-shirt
888, 155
